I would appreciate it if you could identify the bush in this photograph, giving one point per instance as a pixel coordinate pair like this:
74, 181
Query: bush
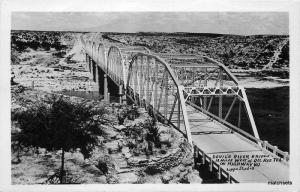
152, 170
59, 54
130, 112
143, 137
152, 133
102, 166
58, 124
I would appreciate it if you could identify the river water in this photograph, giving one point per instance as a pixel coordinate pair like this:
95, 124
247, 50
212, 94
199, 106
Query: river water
270, 108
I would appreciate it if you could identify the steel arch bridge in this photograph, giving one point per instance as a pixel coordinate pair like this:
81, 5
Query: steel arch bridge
197, 95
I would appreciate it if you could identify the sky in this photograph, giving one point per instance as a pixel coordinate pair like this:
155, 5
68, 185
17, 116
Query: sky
240, 23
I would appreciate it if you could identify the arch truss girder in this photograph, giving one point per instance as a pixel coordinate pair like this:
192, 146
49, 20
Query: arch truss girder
152, 84
115, 65
210, 89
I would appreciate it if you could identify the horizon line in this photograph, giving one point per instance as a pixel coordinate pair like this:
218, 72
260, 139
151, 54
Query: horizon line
78, 31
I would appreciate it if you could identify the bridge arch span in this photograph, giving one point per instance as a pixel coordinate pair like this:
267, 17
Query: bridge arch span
115, 65
94, 53
101, 57
152, 84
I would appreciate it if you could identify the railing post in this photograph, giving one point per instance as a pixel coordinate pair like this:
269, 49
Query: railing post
219, 172
275, 148
265, 143
203, 158
229, 178
286, 156
211, 165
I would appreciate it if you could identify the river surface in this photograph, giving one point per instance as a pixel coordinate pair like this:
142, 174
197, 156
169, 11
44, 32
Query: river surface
270, 108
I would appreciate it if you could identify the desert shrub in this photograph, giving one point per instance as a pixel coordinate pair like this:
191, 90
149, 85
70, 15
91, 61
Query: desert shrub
143, 137
152, 132
184, 180
59, 54
135, 132
58, 124
130, 112
68, 178
162, 151
152, 170
102, 166
121, 116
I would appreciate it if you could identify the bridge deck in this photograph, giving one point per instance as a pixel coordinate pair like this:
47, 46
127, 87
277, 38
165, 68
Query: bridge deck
213, 138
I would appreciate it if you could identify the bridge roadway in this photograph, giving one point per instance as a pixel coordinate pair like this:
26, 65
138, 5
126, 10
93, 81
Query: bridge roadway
212, 138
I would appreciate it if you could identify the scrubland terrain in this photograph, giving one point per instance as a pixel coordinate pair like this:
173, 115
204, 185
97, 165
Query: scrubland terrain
132, 147
50, 61
246, 56
233, 50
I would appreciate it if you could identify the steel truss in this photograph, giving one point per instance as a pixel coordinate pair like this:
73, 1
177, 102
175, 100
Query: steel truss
166, 90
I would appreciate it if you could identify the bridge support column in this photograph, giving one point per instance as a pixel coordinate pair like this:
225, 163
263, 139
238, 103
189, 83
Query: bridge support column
105, 89
90, 64
94, 71
97, 78
124, 99
120, 94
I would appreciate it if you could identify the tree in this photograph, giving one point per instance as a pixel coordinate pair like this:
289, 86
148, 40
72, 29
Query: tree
58, 124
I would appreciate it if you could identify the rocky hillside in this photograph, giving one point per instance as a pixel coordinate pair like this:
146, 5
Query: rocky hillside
134, 149
233, 50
